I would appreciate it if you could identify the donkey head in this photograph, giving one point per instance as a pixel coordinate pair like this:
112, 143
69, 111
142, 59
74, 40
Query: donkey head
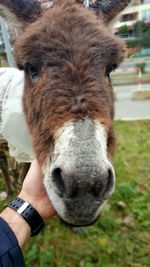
67, 54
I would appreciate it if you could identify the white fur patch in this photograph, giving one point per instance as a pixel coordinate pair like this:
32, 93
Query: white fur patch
101, 137
63, 137
66, 155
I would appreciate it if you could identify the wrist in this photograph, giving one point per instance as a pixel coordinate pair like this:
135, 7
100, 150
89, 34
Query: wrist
40, 203
31, 200
18, 225
28, 213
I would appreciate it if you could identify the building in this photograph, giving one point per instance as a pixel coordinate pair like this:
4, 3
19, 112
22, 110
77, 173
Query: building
139, 10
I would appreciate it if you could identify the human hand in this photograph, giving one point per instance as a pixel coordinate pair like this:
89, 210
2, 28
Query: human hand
33, 191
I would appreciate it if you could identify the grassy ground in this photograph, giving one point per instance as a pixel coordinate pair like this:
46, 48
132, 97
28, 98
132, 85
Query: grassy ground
121, 78
128, 73
120, 238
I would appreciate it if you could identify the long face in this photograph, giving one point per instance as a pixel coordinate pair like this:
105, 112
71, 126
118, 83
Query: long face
67, 55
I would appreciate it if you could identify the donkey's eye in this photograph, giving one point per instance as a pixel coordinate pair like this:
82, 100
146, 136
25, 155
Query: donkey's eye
110, 68
33, 71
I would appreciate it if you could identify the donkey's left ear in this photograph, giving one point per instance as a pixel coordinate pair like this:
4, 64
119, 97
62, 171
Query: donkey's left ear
20, 12
108, 9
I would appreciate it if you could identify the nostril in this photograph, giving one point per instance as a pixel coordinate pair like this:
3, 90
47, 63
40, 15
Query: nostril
110, 180
109, 185
103, 186
65, 186
58, 181
97, 189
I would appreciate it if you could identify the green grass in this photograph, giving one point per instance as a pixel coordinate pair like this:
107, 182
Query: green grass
124, 74
116, 74
110, 242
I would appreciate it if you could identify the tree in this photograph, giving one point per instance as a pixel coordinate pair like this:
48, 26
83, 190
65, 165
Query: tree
124, 30
142, 34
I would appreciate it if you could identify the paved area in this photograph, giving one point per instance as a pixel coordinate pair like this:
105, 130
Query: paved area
126, 108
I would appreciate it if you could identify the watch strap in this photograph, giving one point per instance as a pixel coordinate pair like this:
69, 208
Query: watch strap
30, 215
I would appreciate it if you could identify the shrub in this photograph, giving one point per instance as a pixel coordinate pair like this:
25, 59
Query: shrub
141, 66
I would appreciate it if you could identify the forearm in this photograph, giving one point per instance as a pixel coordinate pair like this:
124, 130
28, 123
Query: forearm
41, 207
18, 225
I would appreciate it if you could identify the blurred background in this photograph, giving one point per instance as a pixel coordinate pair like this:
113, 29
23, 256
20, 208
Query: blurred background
120, 238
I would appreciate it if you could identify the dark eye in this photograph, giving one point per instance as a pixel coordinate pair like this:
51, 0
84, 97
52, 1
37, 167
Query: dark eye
110, 68
33, 71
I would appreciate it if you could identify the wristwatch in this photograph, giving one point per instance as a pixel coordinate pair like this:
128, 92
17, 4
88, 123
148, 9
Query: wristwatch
30, 215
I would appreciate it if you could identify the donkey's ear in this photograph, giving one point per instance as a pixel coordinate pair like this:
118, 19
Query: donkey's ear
20, 12
108, 9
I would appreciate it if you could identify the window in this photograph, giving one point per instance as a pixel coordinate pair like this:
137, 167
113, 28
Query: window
129, 17
146, 15
145, 1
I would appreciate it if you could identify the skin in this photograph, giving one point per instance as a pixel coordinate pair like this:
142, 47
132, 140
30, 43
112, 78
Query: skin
36, 196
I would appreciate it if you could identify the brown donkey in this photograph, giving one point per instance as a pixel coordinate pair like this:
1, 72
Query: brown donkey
67, 54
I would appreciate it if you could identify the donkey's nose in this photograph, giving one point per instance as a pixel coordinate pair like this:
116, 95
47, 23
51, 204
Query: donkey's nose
65, 185
69, 186
103, 185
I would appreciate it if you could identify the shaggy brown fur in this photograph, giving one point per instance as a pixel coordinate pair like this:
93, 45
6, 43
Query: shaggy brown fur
74, 54
30, 9
108, 9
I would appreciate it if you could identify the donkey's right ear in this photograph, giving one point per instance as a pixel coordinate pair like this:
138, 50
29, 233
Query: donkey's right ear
20, 12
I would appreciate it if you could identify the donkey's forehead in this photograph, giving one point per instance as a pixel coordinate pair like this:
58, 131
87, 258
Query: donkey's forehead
72, 31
